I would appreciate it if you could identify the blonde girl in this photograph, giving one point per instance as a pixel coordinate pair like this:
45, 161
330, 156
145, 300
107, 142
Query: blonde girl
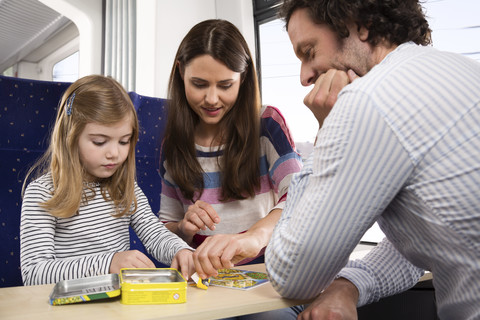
77, 212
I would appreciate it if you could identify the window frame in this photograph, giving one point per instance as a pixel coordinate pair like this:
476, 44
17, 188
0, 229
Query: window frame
263, 11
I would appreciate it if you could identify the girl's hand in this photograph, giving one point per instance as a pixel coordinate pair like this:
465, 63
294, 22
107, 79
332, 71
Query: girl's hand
183, 262
199, 216
222, 251
130, 259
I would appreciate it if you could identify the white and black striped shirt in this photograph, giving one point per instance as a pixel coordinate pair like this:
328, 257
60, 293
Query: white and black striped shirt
54, 249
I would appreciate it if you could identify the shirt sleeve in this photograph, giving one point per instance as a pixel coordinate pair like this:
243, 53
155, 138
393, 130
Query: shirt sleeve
171, 207
373, 277
157, 239
355, 169
39, 263
280, 151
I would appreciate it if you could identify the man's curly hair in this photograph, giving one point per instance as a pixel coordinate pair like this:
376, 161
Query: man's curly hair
396, 21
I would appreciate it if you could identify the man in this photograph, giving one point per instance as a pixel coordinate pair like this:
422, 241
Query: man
401, 146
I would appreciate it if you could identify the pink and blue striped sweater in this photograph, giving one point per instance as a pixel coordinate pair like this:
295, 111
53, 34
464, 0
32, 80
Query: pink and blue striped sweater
278, 162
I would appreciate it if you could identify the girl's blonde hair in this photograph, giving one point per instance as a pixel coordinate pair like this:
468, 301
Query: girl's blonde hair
91, 99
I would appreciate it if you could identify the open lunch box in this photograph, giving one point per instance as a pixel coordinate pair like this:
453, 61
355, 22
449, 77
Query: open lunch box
135, 285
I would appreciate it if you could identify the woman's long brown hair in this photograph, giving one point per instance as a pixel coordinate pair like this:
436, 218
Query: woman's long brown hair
240, 127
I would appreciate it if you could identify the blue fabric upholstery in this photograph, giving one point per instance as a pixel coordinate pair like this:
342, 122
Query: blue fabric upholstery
151, 114
27, 113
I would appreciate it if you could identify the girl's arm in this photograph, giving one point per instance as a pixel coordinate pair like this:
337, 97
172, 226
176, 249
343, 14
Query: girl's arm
39, 261
159, 241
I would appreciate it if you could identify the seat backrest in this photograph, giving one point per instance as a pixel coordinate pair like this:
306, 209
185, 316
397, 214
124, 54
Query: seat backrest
151, 114
27, 110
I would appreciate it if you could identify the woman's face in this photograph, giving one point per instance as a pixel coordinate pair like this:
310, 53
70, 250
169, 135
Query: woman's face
211, 90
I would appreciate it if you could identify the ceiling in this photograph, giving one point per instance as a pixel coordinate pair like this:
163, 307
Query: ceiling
25, 26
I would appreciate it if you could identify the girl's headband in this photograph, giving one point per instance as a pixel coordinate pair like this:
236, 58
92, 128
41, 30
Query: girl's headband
68, 109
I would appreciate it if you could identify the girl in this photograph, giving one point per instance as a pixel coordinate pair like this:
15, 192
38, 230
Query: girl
226, 161
76, 214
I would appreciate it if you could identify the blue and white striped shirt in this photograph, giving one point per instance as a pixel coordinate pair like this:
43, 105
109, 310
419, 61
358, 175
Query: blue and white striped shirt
401, 147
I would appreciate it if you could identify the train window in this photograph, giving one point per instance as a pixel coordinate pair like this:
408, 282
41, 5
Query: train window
9, 72
280, 84
66, 70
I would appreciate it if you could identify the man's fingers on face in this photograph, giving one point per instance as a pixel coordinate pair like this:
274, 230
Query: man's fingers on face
339, 81
308, 100
334, 81
331, 100
352, 75
318, 95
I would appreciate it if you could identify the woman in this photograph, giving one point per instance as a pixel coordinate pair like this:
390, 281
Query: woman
226, 161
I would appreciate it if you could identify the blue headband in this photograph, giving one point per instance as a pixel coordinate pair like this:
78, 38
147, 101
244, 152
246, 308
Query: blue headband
69, 104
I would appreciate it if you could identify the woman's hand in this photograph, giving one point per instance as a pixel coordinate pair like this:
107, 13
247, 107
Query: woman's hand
130, 259
199, 216
183, 262
337, 302
223, 251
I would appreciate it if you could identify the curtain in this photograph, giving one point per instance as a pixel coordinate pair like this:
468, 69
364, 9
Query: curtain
120, 41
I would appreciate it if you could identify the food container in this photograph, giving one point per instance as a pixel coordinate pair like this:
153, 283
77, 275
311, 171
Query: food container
152, 286
85, 289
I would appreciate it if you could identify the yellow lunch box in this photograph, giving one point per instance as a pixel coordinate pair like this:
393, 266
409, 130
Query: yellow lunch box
152, 286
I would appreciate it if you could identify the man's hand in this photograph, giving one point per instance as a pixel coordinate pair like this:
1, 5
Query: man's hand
325, 92
130, 259
337, 302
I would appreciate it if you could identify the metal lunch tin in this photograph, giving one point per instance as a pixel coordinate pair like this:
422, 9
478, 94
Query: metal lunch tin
152, 286
85, 289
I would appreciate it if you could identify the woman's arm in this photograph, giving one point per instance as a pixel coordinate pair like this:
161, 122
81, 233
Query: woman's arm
282, 160
225, 250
